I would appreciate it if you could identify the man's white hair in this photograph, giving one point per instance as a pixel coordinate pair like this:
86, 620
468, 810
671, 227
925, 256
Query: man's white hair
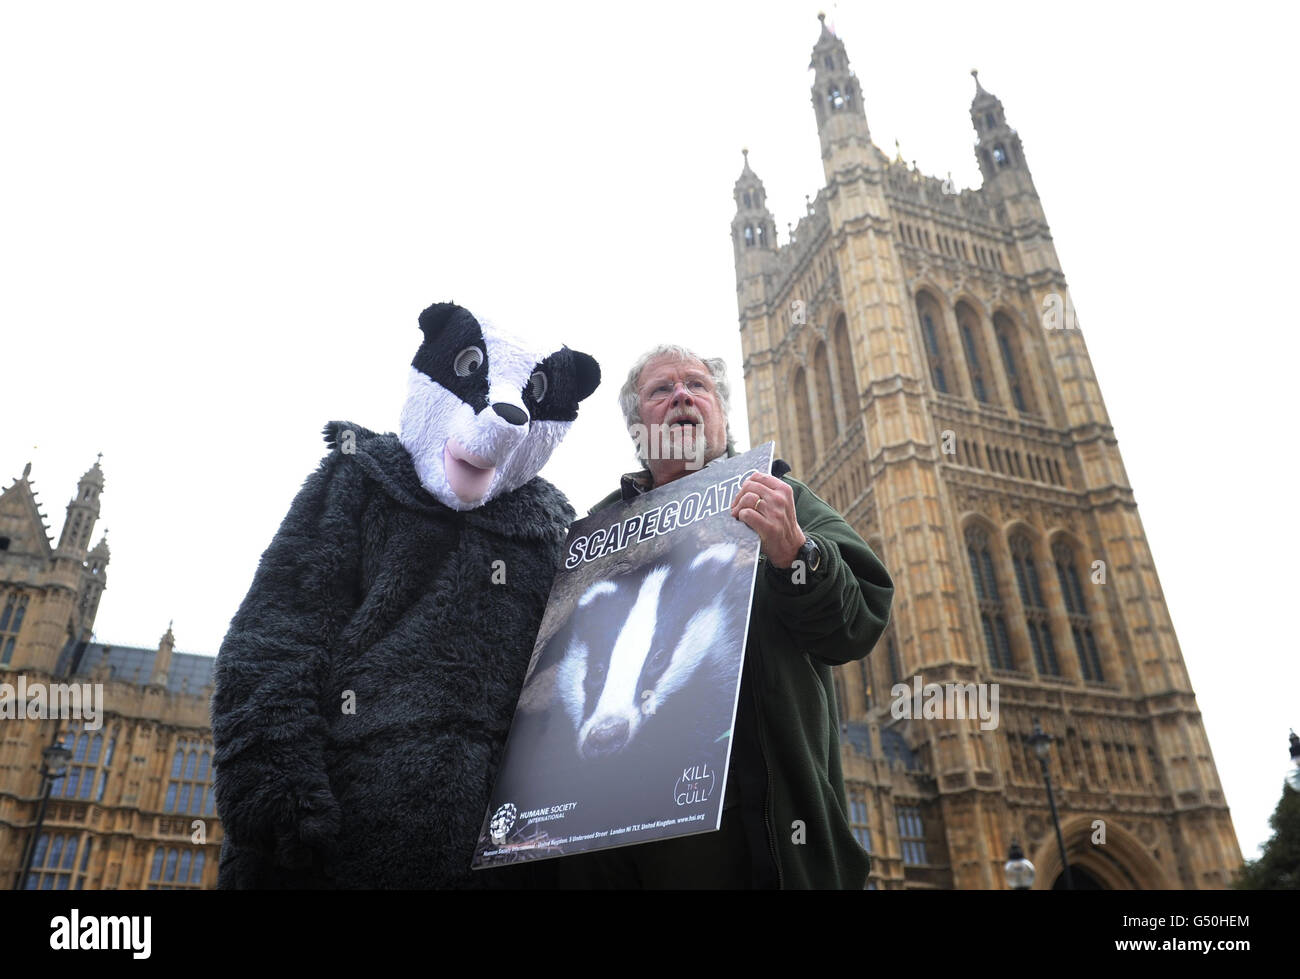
629, 398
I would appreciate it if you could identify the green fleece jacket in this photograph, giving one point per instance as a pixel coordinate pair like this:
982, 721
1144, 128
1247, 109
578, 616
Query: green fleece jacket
786, 751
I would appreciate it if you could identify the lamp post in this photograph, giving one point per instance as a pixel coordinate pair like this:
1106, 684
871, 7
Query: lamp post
1019, 871
55, 763
1293, 776
1041, 742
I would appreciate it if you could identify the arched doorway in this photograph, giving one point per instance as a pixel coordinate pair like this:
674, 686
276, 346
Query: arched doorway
1121, 863
1080, 879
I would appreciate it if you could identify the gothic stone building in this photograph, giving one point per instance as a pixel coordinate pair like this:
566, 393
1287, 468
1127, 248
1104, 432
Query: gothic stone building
914, 353
135, 808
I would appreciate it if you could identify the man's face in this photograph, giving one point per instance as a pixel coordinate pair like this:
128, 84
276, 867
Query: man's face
678, 397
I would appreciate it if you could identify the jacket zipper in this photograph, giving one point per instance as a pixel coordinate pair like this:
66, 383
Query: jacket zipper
767, 773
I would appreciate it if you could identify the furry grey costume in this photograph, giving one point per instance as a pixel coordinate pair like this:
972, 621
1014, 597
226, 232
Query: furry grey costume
367, 683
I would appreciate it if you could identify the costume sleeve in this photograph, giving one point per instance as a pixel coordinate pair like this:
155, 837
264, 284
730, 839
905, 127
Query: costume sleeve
269, 723
841, 610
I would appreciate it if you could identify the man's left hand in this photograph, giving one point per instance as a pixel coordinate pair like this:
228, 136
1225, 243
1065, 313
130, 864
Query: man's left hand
766, 505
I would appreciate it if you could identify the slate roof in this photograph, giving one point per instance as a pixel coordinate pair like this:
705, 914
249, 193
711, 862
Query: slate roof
133, 664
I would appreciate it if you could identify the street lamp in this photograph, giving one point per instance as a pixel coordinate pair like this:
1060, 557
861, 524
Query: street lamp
1293, 776
55, 763
1019, 871
1041, 742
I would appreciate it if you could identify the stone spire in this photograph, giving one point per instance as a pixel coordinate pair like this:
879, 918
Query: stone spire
83, 511
837, 103
998, 148
753, 225
162, 662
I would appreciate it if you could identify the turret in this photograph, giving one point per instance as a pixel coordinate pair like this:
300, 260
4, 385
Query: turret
83, 511
94, 580
753, 229
837, 103
162, 661
998, 148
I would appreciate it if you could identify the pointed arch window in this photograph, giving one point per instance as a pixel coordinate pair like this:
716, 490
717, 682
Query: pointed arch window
1037, 618
844, 366
1013, 361
973, 361
835, 99
993, 619
826, 413
1076, 608
168, 873
936, 349
189, 790
805, 446
968, 325
761, 237
859, 819
11, 624
54, 863
749, 236
87, 775
1000, 155
746, 197
830, 62
932, 347
911, 835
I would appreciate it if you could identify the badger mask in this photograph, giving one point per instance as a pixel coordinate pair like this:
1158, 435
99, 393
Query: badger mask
484, 410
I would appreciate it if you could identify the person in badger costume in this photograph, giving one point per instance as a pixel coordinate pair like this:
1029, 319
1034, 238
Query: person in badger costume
365, 688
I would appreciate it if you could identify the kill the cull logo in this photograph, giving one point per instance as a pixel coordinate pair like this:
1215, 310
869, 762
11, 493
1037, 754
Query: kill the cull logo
695, 785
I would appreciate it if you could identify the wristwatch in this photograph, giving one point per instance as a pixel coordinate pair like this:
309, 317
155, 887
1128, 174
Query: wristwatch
811, 556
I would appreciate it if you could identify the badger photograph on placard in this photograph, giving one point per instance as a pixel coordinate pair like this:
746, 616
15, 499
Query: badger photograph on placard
622, 734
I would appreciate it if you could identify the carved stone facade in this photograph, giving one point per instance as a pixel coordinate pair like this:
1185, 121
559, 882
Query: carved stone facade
915, 355
135, 808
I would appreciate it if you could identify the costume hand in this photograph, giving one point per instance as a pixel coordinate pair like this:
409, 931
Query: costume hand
766, 504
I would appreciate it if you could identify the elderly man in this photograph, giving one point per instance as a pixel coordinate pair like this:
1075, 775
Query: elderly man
821, 598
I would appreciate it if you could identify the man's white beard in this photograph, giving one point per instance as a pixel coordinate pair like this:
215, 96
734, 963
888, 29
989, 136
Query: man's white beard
695, 451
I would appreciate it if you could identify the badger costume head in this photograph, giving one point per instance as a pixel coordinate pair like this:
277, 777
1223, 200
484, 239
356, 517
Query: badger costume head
484, 409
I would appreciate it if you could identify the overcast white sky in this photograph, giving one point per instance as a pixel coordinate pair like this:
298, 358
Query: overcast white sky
220, 222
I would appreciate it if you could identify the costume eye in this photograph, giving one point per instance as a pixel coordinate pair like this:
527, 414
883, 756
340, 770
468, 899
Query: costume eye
537, 386
468, 361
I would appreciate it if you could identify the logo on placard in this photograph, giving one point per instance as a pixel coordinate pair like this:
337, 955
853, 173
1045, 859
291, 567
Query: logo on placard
503, 821
695, 785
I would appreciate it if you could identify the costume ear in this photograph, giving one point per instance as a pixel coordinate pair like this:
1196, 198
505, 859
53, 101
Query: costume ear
586, 374
435, 319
